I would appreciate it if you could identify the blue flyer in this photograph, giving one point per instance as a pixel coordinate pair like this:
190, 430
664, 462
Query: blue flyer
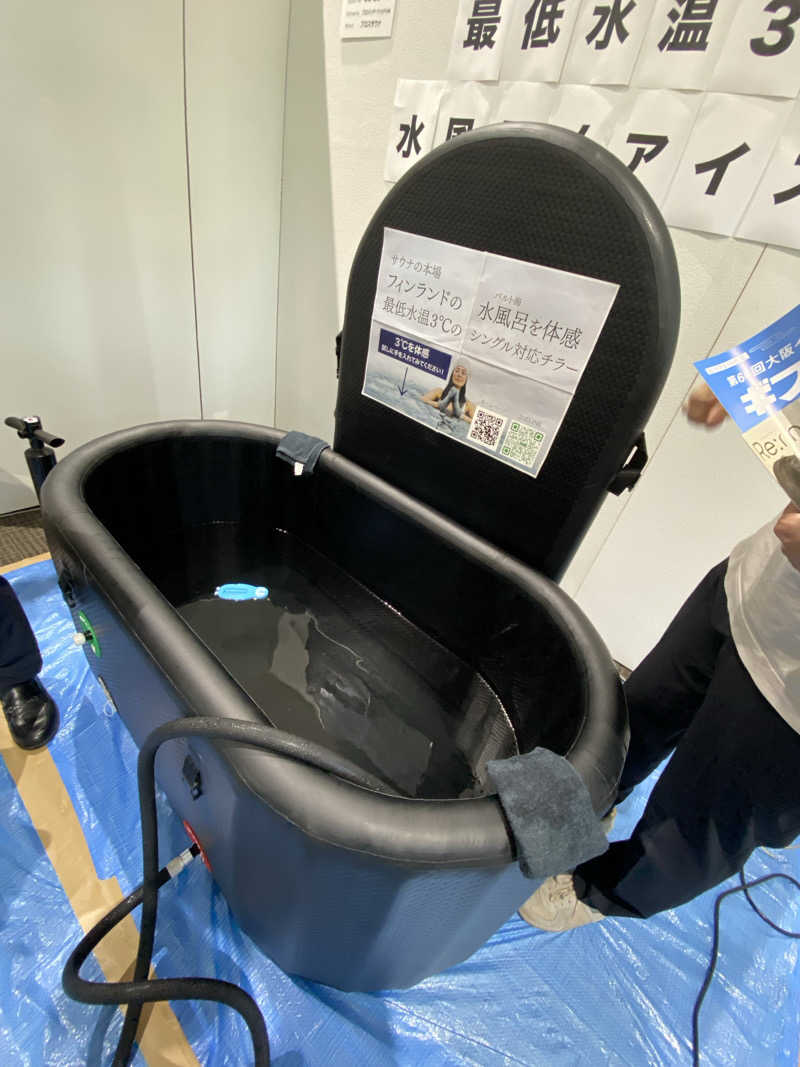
758, 384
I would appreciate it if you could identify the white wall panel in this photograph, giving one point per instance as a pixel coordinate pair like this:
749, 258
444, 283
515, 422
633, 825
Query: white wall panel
307, 310
96, 329
713, 271
704, 491
236, 70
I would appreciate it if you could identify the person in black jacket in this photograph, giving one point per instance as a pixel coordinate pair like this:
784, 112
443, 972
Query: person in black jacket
720, 695
31, 714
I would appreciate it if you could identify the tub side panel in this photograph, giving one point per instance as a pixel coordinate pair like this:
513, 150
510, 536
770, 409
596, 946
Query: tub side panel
331, 914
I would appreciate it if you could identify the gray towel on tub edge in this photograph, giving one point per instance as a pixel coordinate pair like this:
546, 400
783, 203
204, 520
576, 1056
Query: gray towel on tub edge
550, 812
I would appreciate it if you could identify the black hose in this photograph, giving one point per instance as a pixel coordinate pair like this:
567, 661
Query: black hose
161, 989
142, 990
743, 887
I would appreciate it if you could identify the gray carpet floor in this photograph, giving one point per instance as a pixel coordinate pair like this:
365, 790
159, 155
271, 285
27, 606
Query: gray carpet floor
21, 536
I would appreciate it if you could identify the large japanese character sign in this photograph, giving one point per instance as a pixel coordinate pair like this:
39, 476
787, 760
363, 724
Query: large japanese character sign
696, 97
477, 47
729, 147
464, 106
773, 214
758, 384
539, 35
416, 108
606, 41
683, 42
587, 109
761, 53
650, 137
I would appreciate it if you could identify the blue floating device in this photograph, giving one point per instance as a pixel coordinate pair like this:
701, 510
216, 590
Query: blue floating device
241, 591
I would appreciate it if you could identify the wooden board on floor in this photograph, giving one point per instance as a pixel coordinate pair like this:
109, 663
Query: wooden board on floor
23, 563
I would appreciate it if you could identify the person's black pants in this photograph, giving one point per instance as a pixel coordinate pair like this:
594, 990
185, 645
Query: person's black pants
732, 784
19, 654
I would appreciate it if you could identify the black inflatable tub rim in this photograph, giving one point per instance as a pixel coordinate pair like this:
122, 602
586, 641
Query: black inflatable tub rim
433, 833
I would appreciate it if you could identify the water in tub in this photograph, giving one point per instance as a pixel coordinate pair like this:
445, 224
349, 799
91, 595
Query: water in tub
326, 659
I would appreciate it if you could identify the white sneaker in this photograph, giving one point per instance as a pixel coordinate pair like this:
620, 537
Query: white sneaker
607, 823
555, 907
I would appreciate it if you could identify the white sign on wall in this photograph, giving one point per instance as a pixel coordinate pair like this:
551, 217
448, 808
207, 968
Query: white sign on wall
414, 116
464, 106
524, 102
762, 50
773, 215
538, 39
366, 18
651, 135
587, 110
728, 149
700, 153
479, 35
606, 41
683, 43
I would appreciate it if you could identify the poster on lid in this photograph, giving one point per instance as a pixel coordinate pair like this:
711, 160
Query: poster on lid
430, 284
484, 349
538, 322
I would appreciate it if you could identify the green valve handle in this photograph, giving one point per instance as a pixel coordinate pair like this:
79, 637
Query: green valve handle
87, 635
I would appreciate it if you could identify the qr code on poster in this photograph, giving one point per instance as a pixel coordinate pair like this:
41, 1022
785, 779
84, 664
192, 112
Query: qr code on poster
522, 443
486, 427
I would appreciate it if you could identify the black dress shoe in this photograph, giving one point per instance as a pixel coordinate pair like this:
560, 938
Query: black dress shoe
31, 714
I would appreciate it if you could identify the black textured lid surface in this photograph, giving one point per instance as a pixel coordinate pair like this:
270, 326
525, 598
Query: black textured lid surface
545, 195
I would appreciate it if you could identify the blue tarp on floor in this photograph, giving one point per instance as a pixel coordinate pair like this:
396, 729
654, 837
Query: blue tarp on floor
617, 992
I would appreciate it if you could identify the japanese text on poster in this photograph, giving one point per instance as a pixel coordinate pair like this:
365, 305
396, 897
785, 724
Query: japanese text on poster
485, 349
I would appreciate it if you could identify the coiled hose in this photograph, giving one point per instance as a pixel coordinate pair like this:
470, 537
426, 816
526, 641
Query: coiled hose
141, 990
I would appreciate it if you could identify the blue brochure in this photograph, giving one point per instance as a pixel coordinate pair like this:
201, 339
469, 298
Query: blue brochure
758, 384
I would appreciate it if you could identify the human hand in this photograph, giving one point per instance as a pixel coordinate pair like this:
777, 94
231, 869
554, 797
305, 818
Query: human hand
787, 530
703, 407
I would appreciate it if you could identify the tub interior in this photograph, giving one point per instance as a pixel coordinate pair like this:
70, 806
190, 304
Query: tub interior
325, 658
378, 639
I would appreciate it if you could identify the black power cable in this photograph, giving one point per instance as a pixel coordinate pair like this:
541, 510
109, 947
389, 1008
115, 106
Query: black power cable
142, 990
745, 888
